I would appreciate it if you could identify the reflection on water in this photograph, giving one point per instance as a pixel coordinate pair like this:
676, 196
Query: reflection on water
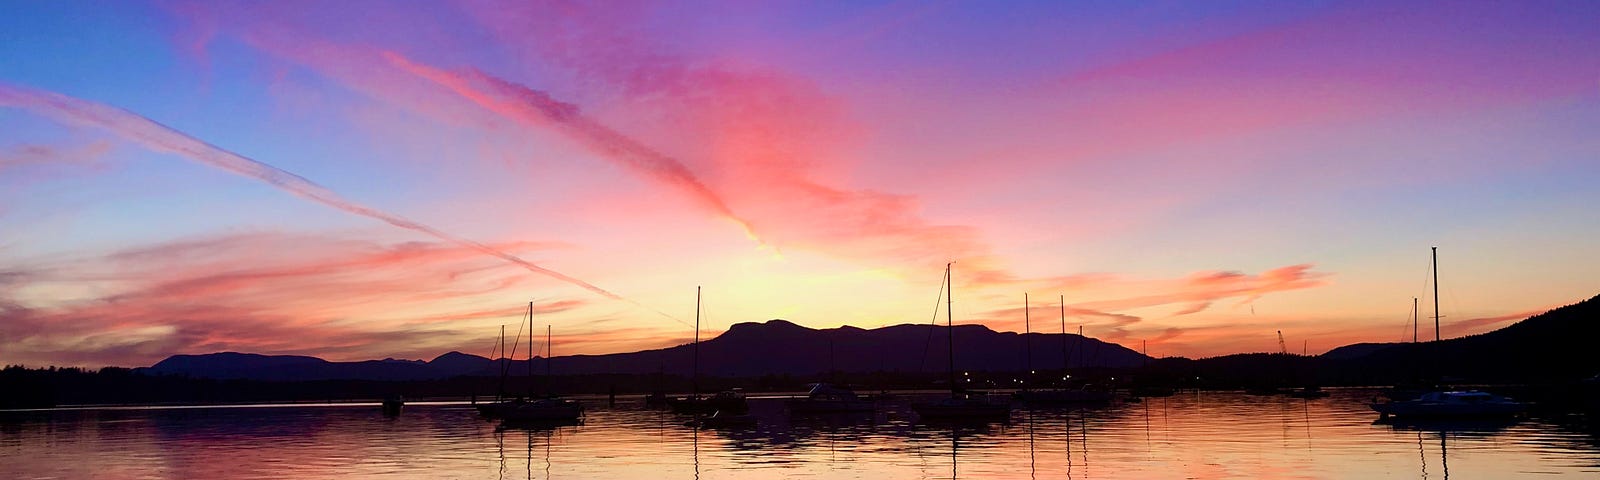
1206, 435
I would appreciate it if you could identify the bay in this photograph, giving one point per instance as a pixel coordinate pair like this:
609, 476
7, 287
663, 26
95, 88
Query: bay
1189, 435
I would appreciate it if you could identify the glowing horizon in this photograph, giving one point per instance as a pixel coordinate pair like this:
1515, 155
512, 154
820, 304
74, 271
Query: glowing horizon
353, 181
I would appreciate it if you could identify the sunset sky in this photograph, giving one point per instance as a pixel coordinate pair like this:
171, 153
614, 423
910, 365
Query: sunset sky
358, 180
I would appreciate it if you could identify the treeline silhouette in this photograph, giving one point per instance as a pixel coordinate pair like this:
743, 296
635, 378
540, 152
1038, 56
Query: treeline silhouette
1549, 350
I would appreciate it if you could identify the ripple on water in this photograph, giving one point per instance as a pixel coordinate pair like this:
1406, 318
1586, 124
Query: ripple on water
1209, 435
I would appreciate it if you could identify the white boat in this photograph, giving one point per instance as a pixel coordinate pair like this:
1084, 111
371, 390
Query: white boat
1469, 403
961, 405
826, 398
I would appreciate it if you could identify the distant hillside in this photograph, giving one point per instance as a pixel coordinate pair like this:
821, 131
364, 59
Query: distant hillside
776, 347
1550, 346
232, 365
1356, 350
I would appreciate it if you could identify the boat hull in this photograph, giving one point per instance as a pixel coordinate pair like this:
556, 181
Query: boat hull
1454, 404
807, 406
711, 404
1064, 397
543, 410
1409, 409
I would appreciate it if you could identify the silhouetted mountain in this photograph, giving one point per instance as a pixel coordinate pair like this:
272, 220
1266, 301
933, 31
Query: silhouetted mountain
457, 363
776, 347
1551, 346
232, 365
1356, 350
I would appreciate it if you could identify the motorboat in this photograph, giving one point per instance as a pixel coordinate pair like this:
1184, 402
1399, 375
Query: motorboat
1468, 403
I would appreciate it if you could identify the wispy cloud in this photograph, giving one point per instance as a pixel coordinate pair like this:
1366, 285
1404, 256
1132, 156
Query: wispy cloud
159, 137
536, 108
88, 154
201, 295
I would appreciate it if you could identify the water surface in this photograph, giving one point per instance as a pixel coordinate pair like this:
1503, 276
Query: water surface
1191, 435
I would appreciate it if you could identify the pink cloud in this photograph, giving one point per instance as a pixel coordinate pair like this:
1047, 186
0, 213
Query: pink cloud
161, 138
313, 295
86, 155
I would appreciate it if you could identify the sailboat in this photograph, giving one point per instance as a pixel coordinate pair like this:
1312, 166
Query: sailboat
1086, 394
1448, 403
492, 410
727, 402
961, 404
550, 408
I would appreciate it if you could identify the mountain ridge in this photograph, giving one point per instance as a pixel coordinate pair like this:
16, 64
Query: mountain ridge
773, 347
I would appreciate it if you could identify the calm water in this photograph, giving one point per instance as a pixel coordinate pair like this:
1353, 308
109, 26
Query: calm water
1205, 435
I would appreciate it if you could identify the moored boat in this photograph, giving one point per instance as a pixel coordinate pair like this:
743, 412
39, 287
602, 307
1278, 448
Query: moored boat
543, 409
826, 398
731, 401
961, 405
1469, 403
723, 420
392, 405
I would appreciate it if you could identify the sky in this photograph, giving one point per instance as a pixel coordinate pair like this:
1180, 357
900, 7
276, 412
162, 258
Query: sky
373, 179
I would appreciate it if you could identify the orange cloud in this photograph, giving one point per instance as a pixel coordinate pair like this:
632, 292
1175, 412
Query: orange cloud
314, 295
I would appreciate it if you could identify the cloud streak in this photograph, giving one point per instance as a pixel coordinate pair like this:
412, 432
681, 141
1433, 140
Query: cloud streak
536, 108
159, 137
209, 294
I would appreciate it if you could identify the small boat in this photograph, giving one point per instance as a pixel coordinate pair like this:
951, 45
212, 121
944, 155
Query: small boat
731, 401
392, 404
1310, 392
548, 408
961, 405
723, 420
502, 401
1088, 394
1469, 403
655, 400
1064, 395
543, 409
826, 398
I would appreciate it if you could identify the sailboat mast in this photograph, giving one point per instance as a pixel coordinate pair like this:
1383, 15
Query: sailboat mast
530, 350
1064, 357
1435, 293
549, 356
500, 394
1027, 341
694, 383
1413, 319
949, 312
